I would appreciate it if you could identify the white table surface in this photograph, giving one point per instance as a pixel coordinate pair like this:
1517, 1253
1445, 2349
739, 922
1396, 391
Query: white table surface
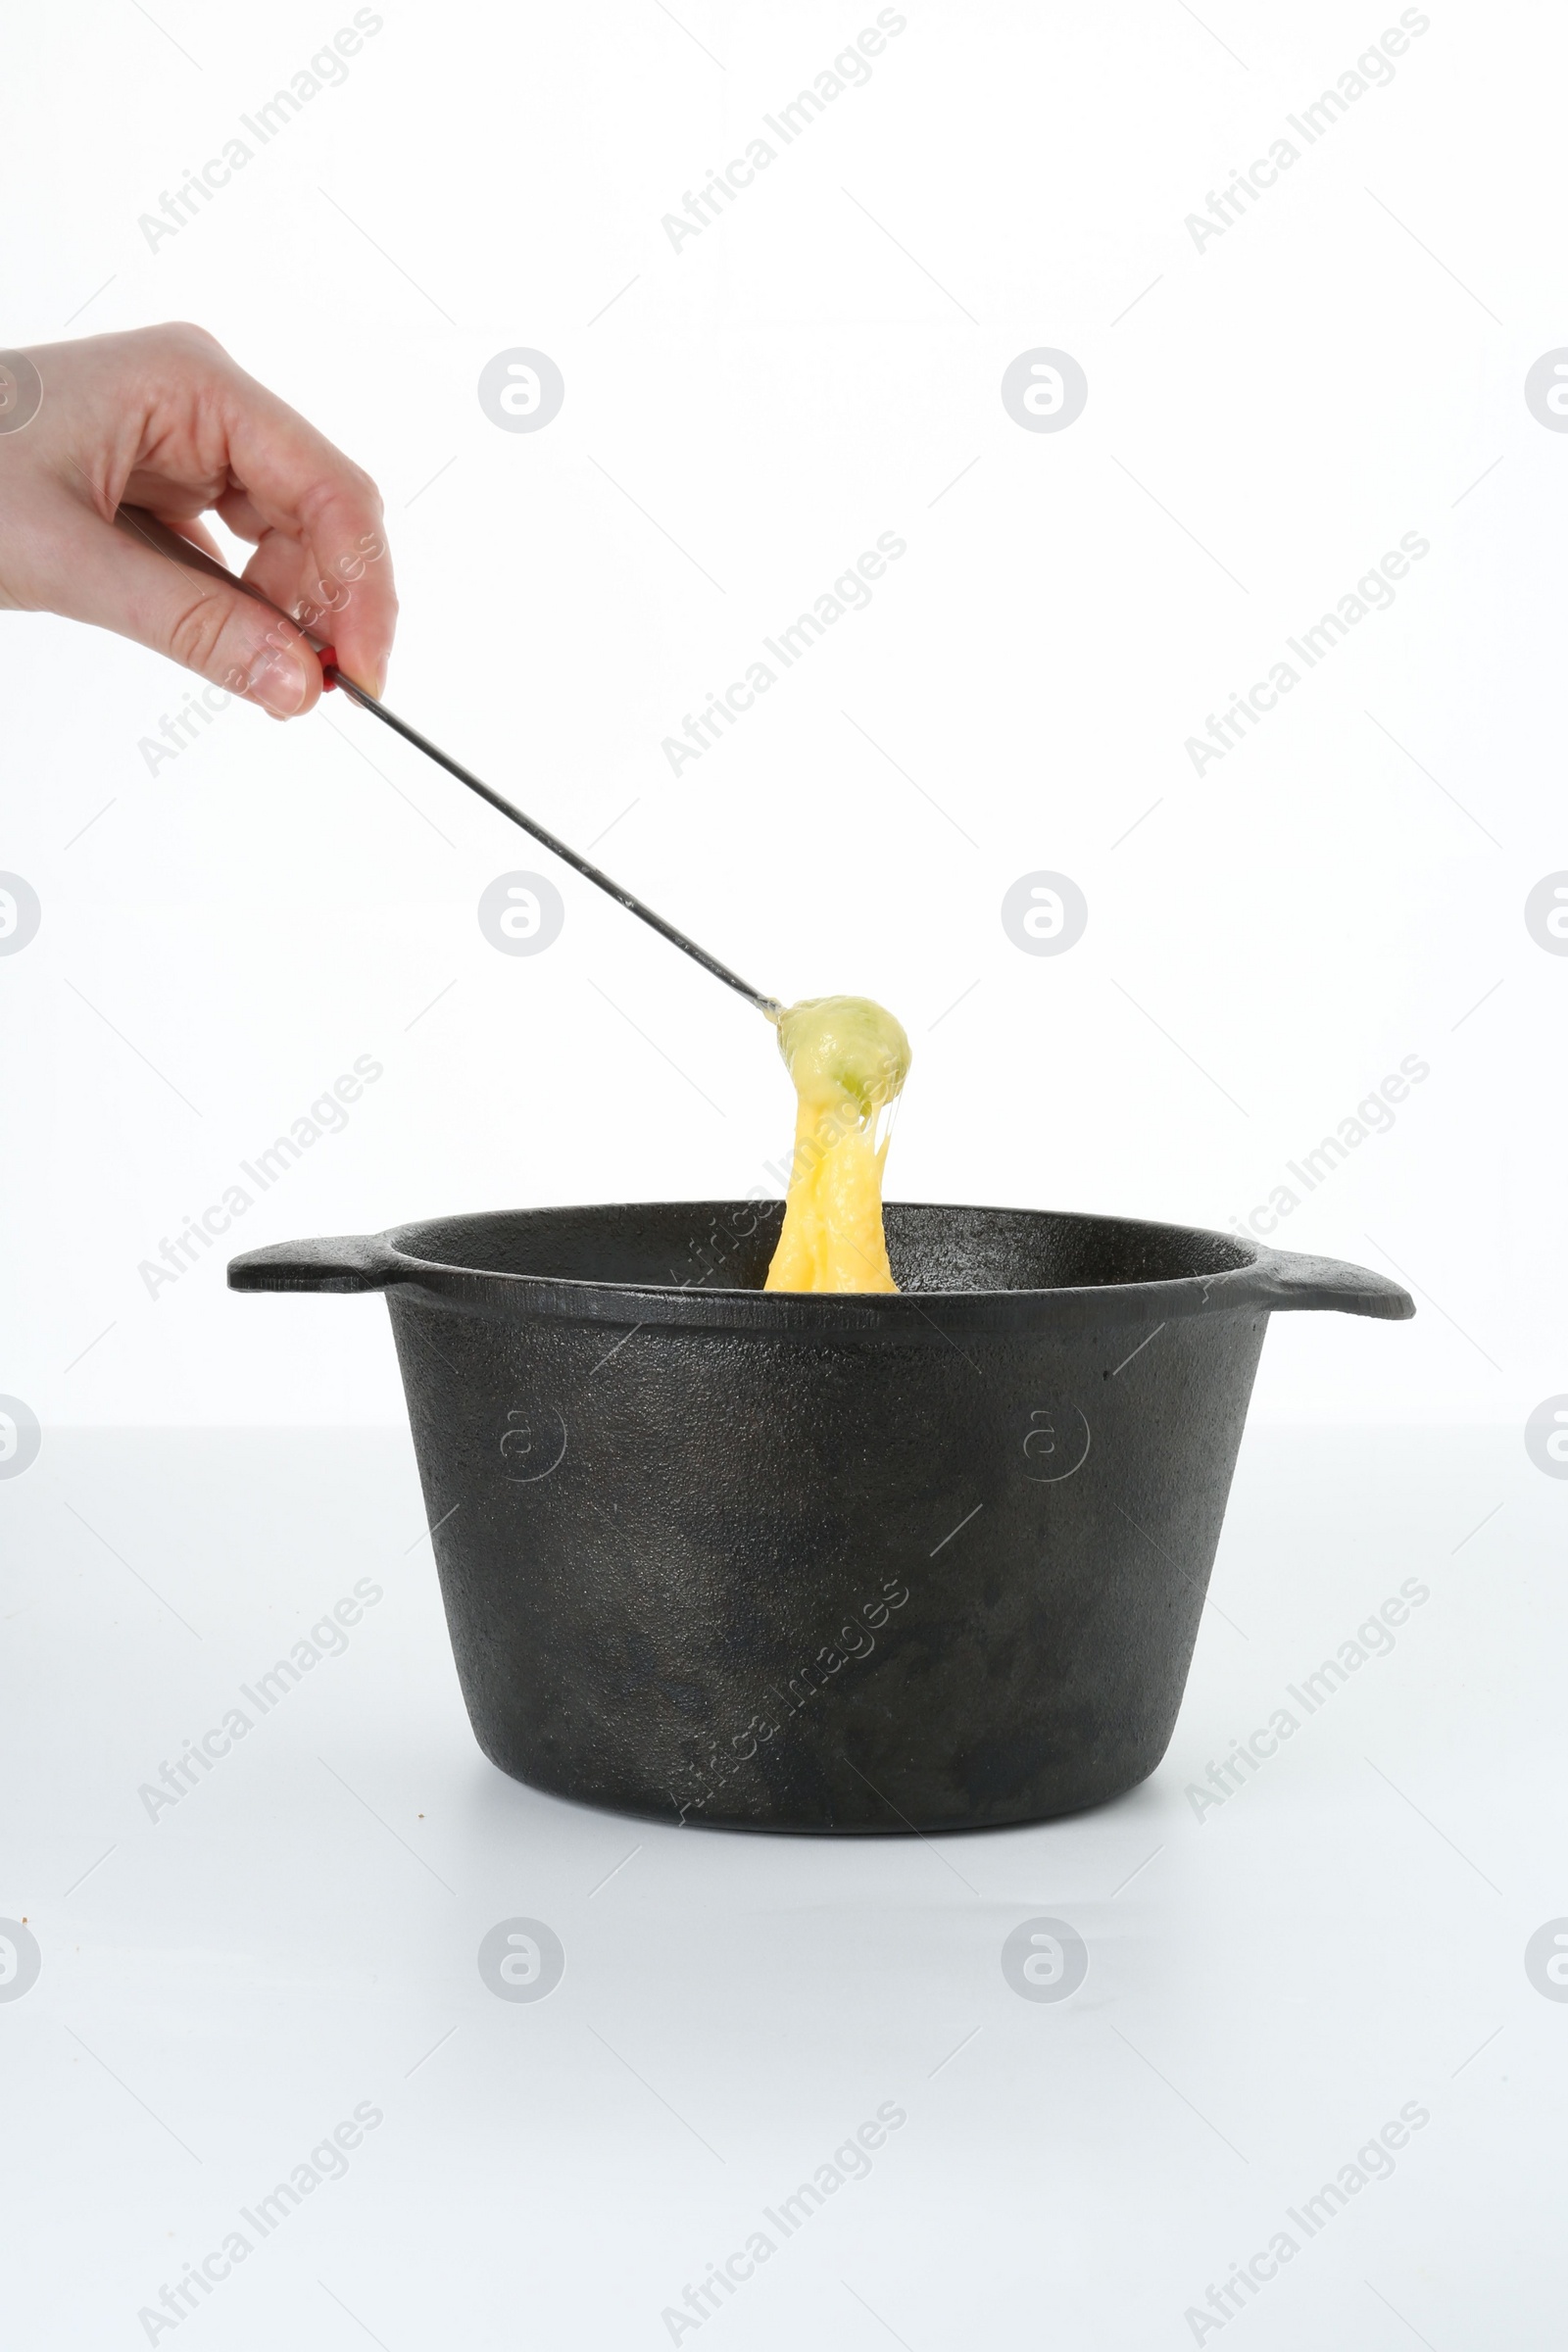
1269, 1985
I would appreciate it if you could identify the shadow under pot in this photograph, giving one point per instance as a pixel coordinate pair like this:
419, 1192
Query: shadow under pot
836, 1563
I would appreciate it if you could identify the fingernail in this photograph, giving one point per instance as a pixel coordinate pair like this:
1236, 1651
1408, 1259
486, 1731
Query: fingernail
276, 680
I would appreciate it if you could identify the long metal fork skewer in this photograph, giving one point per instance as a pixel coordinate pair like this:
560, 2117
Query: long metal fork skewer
166, 542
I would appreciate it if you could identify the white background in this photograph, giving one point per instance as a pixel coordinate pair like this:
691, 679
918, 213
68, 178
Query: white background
1265, 417
1300, 394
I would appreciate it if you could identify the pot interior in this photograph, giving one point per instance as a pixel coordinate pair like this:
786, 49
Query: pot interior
726, 1244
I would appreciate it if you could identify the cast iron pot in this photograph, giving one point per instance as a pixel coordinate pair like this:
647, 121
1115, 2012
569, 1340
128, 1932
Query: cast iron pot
779, 1561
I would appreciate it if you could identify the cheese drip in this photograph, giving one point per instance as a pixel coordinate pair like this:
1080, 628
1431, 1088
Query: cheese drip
849, 1059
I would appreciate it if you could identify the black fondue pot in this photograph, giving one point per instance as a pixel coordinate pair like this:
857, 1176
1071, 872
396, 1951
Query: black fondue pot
849, 1563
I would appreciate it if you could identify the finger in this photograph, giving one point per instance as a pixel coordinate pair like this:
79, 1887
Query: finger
285, 576
121, 583
328, 600
324, 540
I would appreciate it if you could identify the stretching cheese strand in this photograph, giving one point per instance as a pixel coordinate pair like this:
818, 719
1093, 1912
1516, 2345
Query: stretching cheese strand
849, 1059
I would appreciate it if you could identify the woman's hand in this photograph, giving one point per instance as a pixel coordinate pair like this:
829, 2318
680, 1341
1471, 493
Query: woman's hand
163, 418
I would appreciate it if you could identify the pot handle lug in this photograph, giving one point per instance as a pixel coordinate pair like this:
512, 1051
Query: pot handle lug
354, 1262
1287, 1281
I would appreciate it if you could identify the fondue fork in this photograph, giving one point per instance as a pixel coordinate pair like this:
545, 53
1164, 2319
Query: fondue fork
166, 542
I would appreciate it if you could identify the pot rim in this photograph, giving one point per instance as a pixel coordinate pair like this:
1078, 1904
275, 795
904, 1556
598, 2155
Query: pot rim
1258, 1278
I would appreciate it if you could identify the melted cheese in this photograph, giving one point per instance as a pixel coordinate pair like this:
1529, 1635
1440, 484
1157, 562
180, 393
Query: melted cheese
849, 1059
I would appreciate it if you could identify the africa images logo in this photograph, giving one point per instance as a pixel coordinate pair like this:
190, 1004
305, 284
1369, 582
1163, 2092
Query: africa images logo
19, 1959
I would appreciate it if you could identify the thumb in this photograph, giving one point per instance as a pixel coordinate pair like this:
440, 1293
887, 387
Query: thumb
127, 584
